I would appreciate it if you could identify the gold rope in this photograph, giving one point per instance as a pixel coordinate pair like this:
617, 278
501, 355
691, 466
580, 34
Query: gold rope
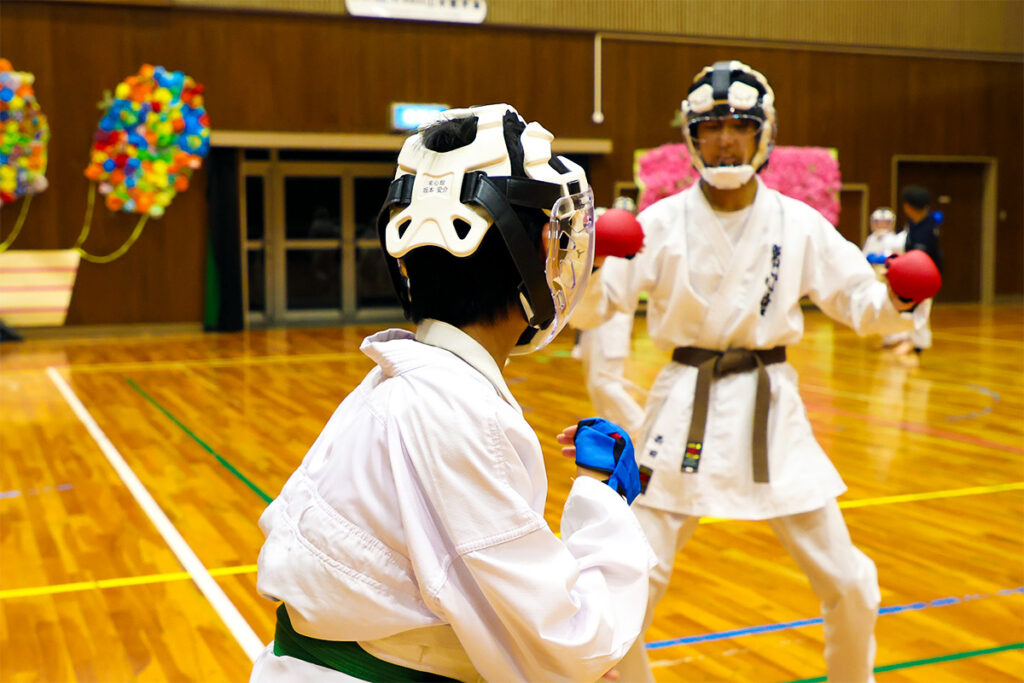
120, 251
88, 216
17, 224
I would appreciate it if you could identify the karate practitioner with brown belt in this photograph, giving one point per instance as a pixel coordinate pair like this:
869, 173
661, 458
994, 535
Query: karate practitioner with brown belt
725, 434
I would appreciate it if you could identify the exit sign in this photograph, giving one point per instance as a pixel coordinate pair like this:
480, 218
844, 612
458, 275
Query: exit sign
409, 116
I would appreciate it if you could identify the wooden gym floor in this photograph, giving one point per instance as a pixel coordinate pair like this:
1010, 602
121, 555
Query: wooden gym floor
134, 470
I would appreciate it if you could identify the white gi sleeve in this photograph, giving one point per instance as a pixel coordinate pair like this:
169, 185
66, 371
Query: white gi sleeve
615, 287
839, 280
524, 604
569, 609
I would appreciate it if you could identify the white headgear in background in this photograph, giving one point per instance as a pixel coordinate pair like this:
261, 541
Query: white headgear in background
883, 215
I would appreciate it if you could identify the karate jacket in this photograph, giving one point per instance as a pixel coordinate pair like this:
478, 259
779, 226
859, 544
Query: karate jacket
705, 291
415, 527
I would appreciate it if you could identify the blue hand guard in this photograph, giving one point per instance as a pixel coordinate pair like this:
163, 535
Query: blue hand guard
605, 447
876, 259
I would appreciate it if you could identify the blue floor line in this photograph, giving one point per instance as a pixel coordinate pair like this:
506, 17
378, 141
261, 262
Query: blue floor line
800, 623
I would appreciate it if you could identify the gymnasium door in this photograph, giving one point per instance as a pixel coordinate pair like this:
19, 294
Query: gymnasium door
311, 251
852, 221
957, 190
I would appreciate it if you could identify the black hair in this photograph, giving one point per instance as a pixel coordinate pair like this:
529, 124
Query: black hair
481, 287
917, 196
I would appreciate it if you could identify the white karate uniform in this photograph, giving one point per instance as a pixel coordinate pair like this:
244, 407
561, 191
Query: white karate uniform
884, 243
604, 351
715, 290
415, 527
887, 244
921, 336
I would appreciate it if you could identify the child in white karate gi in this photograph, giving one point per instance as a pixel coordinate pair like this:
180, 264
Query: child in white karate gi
410, 544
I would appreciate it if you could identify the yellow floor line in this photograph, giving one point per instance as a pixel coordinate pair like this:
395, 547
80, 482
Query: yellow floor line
143, 366
950, 493
910, 498
118, 583
251, 568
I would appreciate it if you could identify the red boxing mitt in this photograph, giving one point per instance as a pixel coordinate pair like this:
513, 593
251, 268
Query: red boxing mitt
913, 276
618, 233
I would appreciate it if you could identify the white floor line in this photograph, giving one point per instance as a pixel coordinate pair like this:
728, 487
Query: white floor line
232, 618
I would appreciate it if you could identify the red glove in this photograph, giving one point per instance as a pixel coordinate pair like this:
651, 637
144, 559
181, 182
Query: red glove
618, 233
913, 276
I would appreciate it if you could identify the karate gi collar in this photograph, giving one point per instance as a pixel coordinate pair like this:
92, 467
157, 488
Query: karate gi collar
450, 338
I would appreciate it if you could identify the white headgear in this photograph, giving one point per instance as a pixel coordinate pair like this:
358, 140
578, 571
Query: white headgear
451, 199
883, 215
730, 90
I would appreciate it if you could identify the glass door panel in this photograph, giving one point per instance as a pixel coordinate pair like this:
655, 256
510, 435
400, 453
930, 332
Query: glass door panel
311, 251
255, 215
374, 292
254, 204
369, 195
257, 281
312, 208
310, 254
314, 279
373, 283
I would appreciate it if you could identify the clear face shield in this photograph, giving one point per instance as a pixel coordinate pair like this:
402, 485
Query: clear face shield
882, 225
569, 257
714, 128
727, 145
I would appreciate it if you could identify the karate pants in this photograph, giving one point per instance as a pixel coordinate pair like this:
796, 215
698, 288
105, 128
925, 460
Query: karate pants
919, 338
842, 576
606, 386
922, 338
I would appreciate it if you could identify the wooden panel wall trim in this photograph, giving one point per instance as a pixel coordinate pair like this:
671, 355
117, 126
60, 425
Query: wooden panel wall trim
138, 3
297, 74
976, 27
385, 142
112, 331
835, 48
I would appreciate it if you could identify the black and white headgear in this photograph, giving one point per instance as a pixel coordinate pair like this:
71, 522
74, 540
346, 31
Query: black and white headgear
451, 199
730, 89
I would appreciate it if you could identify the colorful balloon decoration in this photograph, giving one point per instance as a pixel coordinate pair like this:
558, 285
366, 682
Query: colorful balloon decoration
153, 134
24, 134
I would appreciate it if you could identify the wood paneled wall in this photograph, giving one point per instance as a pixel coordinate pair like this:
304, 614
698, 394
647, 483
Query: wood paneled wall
301, 73
983, 26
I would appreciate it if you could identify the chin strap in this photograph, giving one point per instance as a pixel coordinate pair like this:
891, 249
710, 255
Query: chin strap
727, 177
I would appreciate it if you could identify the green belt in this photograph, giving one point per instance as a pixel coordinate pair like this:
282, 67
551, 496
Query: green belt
346, 657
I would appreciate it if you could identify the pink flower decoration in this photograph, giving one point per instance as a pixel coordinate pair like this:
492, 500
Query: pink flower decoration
810, 174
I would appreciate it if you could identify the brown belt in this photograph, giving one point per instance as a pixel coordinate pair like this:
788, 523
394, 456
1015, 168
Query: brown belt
712, 365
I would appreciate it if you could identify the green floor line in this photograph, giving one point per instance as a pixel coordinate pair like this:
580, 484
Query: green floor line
231, 468
923, 662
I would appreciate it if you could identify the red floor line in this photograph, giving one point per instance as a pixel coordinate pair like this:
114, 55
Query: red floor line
914, 427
